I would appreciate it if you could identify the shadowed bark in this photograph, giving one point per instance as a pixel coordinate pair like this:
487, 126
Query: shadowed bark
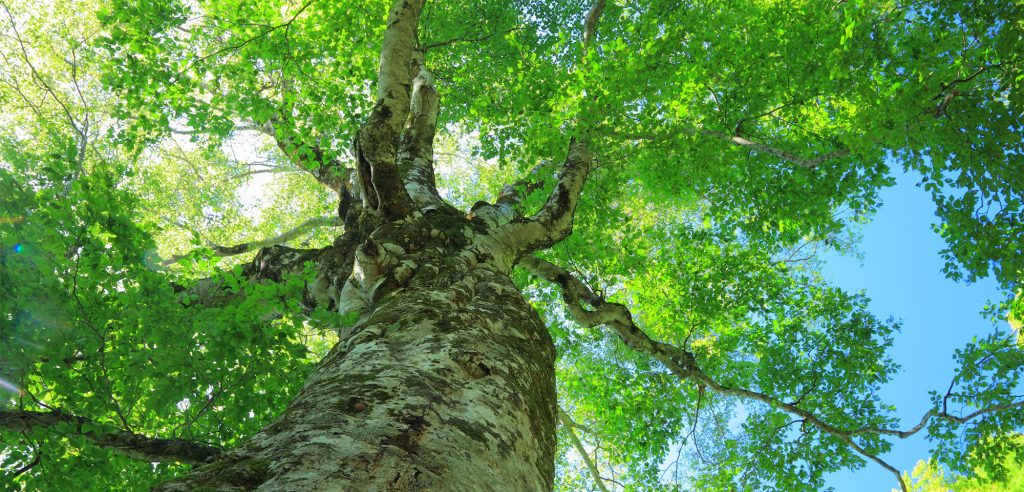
128, 443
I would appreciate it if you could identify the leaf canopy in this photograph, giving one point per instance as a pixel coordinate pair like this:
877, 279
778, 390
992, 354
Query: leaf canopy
734, 141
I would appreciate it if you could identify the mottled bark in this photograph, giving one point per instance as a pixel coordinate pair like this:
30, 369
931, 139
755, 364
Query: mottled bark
446, 382
377, 143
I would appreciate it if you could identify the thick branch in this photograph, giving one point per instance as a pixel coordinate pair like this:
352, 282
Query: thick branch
416, 160
553, 222
377, 142
614, 315
590, 24
133, 445
394, 78
284, 237
682, 363
274, 263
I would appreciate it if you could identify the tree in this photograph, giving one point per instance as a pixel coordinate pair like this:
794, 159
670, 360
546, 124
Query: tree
600, 249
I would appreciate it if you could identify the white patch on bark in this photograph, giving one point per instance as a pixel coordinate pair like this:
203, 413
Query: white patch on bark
372, 264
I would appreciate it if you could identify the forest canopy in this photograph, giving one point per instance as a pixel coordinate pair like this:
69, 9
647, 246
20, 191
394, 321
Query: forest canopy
172, 170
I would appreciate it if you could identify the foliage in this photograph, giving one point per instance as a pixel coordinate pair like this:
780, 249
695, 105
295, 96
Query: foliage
733, 139
929, 477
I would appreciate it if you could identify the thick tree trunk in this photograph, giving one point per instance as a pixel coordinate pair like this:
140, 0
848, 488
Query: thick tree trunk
446, 382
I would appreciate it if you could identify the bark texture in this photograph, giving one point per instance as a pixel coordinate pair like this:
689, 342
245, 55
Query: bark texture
446, 382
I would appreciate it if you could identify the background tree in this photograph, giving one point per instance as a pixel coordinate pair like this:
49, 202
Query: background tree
656, 178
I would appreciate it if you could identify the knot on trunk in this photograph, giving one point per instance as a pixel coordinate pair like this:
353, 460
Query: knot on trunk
472, 363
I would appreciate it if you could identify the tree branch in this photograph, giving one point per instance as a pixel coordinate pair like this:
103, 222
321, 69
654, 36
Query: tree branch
38, 78
594, 472
331, 173
949, 91
514, 193
590, 24
416, 157
378, 139
254, 245
394, 77
462, 39
804, 162
274, 263
781, 154
508, 206
133, 445
939, 415
614, 315
242, 44
682, 363
553, 222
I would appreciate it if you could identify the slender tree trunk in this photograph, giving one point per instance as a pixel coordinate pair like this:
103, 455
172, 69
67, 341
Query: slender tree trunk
445, 383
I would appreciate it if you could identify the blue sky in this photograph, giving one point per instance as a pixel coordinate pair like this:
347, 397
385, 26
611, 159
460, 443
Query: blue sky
901, 272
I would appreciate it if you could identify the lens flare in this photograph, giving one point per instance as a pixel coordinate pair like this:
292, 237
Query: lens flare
18, 248
8, 386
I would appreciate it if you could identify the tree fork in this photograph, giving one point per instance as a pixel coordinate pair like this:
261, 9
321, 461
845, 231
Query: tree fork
446, 382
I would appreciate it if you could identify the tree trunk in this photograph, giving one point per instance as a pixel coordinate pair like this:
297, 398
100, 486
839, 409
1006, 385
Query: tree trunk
445, 383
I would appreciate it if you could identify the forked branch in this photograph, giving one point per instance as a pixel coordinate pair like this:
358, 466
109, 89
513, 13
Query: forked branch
553, 222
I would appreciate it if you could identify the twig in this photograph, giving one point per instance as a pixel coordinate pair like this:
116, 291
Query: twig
463, 39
